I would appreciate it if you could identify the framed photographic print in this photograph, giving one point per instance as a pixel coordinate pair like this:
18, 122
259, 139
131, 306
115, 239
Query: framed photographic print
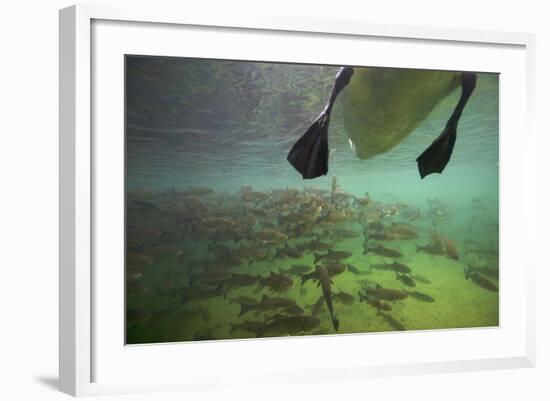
268, 190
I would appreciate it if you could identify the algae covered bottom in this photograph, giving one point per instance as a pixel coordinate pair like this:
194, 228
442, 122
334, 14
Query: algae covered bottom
224, 240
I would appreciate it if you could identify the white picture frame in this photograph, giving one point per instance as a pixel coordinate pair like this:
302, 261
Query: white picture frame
79, 165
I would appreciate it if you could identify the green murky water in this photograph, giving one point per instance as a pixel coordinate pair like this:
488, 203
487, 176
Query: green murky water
216, 215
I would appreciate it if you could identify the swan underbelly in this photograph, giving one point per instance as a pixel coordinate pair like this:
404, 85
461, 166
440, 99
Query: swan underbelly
382, 106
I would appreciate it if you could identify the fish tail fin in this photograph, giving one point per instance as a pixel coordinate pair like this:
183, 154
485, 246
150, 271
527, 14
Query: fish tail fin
335, 323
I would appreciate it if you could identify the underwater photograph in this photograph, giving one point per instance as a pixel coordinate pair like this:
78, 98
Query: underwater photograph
270, 199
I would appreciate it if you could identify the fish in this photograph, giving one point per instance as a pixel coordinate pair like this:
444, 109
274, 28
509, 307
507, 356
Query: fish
394, 266
375, 303
296, 270
251, 253
385, 294
431, 249
480, 280
269, 236
289, 325
343, 233
248, 325
486, 271
419, 296
406, 280
293, 310
267, 304
288, 252
276, 282
383, 251
204, 335
488, 253
343, 297
318, 306
333, 270
450, 248
382, 236
211, 275
301, 217
219, 250
393, 322
331, 255
243, 300
215, 224
236, 280
198, 293
325, 282
315, 245
401, 232
399, 267
353, 269
335, 216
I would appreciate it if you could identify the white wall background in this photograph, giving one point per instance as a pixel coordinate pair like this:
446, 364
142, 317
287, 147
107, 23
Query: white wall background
29, 197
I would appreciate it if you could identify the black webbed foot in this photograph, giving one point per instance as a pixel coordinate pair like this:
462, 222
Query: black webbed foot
435, 158
309, 155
